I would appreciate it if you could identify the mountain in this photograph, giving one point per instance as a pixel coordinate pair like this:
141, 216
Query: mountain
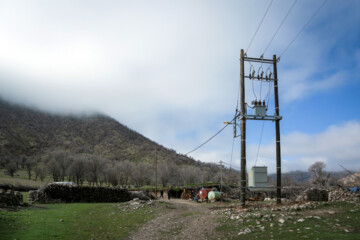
25, 131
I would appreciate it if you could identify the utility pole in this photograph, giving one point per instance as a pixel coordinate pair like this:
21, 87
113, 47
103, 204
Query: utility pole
277, 130
156, 158
221, 179
260, 113
242, 128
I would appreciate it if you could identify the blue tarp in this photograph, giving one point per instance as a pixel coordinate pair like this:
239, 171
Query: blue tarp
354, 189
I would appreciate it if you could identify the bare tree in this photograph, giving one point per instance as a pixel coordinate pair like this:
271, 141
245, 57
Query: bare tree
63, 159
58, 162
94, 167
168, 173
124, 169
190, 174
164, 173
23, 160
112, 174
53, 169
40, 172
77, 169
11, 168
287, 180
142, 174
317, 171
29, 164
232, 177
4, 161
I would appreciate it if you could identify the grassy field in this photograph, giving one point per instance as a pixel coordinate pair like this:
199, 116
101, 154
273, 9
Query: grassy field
74, 221
338, 220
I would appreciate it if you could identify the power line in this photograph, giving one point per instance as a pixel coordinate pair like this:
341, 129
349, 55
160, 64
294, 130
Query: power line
257, 155
303, 28
231, 165
259, 26
277, 30
232, 151
209, 138
262, 129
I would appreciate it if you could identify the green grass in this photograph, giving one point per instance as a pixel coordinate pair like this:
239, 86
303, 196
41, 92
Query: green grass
343, 224
25, 196
81, 221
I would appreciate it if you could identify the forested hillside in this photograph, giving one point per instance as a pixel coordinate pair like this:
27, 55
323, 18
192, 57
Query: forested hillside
28, 132
93, 148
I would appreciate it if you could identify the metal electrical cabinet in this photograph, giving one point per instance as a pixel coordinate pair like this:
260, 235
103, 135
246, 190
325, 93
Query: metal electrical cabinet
258, 177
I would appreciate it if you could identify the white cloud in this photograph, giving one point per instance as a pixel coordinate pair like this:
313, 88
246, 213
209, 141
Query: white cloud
338, 144
168, 69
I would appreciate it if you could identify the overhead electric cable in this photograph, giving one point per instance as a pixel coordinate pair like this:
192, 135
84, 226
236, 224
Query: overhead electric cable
277, 30
232, 166
259, 26
257, 154
232, 151
303, 28
262, 128
209, 138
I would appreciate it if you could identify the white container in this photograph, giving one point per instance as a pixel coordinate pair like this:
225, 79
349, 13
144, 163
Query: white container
258, 177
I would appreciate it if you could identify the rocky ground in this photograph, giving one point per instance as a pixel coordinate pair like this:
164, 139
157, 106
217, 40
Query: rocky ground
183, 219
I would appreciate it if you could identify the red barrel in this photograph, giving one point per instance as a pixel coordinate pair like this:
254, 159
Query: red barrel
204, 192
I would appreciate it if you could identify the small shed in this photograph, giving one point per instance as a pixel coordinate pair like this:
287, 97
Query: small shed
258, 177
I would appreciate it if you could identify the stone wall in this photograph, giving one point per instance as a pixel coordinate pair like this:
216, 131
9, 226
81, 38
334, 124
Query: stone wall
329, 194
63, 193
10, 198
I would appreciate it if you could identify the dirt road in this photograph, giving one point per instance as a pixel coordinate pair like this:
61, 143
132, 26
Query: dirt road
182, 220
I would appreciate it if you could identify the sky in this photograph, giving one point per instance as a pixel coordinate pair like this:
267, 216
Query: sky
170, 71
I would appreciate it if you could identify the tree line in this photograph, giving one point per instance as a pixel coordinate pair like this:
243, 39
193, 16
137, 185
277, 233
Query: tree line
94, 170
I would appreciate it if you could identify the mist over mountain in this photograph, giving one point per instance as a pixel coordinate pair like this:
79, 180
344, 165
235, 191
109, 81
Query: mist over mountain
29, 132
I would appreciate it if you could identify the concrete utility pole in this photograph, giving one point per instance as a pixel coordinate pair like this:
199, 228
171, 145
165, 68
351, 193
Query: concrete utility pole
260, 115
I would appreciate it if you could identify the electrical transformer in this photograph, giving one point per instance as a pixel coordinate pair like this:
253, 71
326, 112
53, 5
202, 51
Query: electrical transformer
258, 177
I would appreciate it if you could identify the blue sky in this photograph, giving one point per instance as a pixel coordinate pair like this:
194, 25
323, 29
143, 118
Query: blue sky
170, 70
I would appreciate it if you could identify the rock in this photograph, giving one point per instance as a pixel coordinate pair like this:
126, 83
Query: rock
247, 230
61, 220
281, 220
301, 220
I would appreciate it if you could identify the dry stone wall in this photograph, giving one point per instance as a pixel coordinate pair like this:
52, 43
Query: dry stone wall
10, 198
62, 193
